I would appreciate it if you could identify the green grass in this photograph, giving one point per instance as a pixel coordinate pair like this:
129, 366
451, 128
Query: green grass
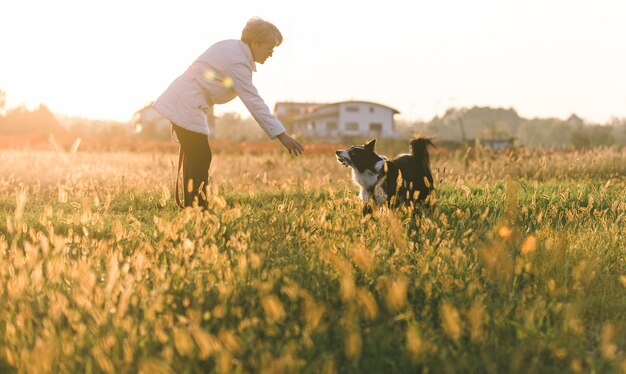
504, 275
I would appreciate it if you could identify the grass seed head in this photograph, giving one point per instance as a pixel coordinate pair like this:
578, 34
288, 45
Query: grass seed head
451, 321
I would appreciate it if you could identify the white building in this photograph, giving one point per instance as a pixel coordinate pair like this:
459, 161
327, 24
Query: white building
346, 118
147, 119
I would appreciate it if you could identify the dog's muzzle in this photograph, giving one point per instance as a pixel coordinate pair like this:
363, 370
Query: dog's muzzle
342, 158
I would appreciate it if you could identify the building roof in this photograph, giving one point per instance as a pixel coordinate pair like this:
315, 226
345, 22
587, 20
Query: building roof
293, 103
316, 106
395, 111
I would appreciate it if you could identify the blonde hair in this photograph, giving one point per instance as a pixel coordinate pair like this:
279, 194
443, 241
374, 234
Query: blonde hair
260, 31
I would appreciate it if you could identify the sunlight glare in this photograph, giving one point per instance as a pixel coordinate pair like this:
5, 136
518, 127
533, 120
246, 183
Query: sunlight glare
209, 75
228, 82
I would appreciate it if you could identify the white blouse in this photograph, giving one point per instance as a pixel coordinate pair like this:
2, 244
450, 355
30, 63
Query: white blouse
221, 73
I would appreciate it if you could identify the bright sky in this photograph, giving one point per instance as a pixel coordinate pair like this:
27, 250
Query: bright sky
105, 59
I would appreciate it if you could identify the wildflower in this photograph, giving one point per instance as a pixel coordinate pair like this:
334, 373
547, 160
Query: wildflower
312, 313
529, 245
414, 343
396, 294
153, 366
347, 288
450, 320
476, 316
207, 343
505, 232
367, 302
353, 345
608, 348
273, 308
182, 341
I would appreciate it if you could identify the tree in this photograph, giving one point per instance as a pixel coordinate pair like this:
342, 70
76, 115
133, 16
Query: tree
548, 132
498, 130
450, 126
593, 136
477, 122
22, 121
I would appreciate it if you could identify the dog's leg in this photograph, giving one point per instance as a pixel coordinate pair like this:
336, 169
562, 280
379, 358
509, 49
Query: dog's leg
364, 195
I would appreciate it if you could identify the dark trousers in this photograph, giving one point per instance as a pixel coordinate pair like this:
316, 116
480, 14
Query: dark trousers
196, 161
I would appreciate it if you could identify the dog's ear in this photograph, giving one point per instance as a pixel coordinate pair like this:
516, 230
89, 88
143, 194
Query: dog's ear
370, 145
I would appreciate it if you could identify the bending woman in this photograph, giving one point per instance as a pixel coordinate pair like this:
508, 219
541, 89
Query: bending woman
221, 73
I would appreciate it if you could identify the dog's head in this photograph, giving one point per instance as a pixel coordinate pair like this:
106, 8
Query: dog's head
360, 157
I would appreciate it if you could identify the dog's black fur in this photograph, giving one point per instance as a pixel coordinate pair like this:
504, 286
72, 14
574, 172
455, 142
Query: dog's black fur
405, 180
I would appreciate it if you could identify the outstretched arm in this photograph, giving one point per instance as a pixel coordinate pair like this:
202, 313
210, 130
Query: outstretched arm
242, 82
293, 146
241, 75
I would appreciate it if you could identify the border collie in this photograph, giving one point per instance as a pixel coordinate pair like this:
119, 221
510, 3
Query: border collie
402, 181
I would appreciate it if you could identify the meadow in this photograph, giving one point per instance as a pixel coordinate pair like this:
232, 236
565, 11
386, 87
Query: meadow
519, 267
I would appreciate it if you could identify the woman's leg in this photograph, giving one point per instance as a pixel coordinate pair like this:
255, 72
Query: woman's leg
196, 161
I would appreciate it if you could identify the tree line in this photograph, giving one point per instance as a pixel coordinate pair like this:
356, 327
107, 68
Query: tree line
485, 123
21, 120
460, 125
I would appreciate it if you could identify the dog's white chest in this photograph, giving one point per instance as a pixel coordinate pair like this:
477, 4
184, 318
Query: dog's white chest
368, 181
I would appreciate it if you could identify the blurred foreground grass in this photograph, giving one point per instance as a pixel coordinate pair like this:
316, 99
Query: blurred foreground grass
521, 267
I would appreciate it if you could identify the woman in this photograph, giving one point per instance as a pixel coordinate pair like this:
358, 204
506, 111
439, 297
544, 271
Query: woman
221, 73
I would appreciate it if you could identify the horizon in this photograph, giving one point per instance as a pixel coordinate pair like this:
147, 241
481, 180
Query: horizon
66, 120
105, 61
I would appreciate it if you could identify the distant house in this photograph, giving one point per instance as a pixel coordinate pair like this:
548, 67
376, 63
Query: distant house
346, 118
151, 122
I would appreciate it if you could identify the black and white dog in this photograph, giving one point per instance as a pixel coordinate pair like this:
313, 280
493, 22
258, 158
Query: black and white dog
402, 181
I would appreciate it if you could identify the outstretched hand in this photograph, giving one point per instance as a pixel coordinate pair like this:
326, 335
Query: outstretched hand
293, 146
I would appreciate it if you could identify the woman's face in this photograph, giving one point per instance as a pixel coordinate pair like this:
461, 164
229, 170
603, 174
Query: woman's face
261, 51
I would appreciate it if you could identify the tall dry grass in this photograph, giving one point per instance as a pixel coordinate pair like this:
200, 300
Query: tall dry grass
519, 268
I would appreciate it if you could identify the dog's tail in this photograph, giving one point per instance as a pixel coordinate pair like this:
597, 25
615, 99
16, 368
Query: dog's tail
419, 150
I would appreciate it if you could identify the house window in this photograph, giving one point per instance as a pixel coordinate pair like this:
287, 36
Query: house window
376, 127
330, 126
310, 126
371, 109
352, 126
352, 109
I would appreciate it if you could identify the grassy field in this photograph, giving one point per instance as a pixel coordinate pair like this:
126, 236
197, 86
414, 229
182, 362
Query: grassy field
520, 267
